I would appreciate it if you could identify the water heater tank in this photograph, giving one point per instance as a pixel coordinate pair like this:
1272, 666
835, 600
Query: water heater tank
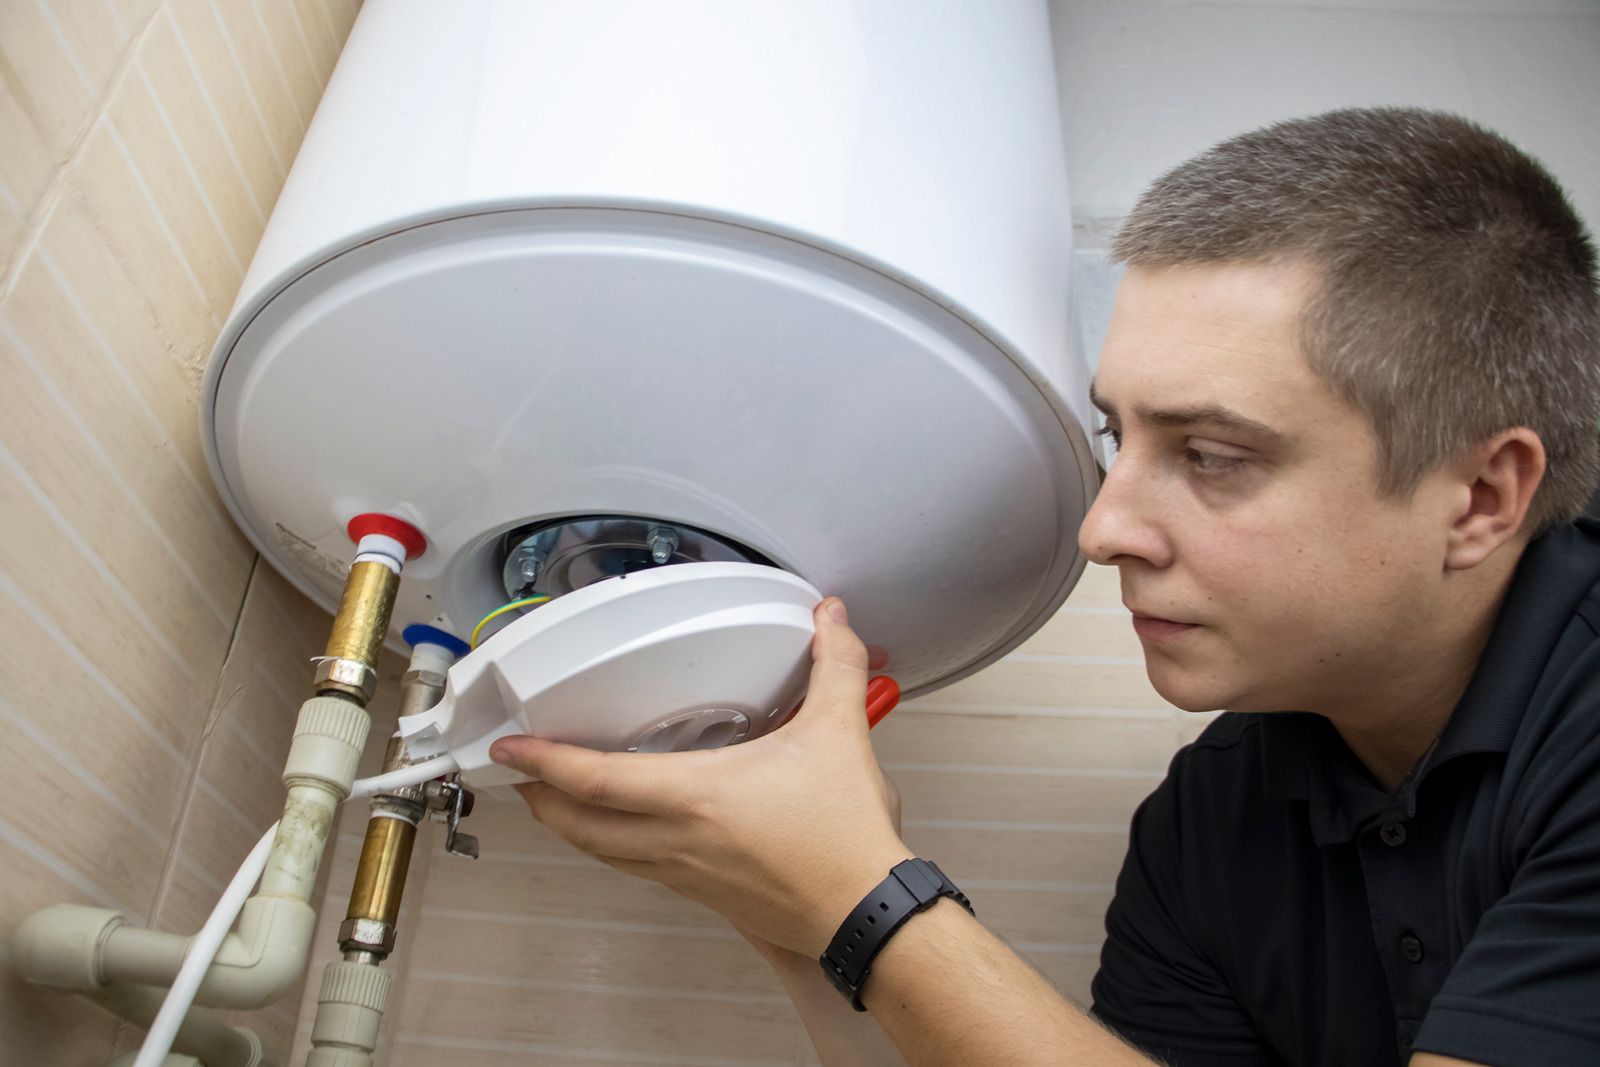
785, 282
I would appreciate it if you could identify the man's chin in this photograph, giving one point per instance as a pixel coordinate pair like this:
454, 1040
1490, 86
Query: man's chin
1185, 691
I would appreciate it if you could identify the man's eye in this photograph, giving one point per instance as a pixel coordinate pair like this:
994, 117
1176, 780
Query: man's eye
1211, 462
1115, 435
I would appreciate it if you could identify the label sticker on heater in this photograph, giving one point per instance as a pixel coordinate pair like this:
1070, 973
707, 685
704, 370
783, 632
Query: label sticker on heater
309, 555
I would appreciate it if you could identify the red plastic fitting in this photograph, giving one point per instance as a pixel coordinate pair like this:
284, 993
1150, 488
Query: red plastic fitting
374, 522
883, 694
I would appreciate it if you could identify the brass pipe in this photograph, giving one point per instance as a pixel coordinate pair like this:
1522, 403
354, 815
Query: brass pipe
381, 876
350, 664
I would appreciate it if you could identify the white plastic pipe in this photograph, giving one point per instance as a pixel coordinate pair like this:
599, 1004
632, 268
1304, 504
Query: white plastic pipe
158, 1041
415, 774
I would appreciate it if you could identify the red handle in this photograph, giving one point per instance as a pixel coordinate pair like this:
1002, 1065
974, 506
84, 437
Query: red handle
882, 696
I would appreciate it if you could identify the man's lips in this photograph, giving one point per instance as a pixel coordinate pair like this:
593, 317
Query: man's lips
1155, 628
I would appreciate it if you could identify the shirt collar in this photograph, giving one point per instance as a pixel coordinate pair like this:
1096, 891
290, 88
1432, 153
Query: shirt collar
1303, 757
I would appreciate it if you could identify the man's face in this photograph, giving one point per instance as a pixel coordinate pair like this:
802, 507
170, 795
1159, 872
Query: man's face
1263, 569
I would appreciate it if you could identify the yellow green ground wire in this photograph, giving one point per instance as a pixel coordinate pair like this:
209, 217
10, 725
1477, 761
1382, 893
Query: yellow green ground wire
497, 612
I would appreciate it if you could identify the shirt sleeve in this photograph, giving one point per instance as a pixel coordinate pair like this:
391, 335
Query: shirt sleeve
1526, 988
1153, 987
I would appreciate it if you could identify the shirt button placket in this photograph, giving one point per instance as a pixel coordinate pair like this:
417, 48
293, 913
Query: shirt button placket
1392, 833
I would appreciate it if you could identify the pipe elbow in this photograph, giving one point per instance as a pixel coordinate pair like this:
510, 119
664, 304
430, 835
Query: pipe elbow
61, 945
265, 956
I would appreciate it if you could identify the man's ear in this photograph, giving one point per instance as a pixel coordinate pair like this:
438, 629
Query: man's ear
1500, 476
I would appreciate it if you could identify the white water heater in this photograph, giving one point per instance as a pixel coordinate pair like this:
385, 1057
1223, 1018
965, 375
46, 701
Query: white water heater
577, 289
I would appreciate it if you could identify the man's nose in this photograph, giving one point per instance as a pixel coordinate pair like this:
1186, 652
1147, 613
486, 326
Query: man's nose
1121, 525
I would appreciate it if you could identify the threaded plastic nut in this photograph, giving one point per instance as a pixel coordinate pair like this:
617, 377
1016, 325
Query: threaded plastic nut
360, 984
328, 739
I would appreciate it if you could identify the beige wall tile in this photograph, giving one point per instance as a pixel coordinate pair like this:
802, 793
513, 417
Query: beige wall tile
45, 691
972, 853
104, 187
291, 51
155, 166
42, 77
1012, 797
209, 158
451, 941
270, 89
1132, 743
43, 1026
229, 97
550, 1020
141, 503
93, 36
1052, 685
51, 579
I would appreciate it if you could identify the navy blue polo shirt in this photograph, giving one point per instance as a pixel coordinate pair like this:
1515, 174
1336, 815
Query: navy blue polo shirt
1278, 906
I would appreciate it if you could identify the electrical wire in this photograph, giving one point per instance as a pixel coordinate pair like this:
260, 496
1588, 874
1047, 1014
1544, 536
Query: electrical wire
202, 951
497, 612
415, 774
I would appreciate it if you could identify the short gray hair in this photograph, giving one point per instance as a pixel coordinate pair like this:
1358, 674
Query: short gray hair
1457, 290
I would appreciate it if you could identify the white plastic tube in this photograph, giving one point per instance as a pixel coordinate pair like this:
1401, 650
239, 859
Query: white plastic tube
415, 774
158, 1041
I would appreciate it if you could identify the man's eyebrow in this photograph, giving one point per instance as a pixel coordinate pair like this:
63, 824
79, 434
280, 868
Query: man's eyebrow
1207, 414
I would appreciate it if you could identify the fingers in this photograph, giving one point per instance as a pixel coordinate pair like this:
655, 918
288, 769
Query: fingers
605, 833
626, 781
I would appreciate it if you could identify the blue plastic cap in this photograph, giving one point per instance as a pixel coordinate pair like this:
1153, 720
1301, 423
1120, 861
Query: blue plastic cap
422, 634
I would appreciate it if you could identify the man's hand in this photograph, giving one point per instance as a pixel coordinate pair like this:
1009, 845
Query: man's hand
782, 835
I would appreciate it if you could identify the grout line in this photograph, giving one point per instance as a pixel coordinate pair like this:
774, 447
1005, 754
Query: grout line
44, 622
594, 1054
45, 205
1034, 827
161, 221
249, 90
562, 923
188, 166
137, 505
216, 116
165, 440
66, 48
61, 868
104, 574
602, 989
1051, 772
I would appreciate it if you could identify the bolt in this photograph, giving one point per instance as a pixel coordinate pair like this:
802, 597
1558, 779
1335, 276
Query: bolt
530, 569
662, 542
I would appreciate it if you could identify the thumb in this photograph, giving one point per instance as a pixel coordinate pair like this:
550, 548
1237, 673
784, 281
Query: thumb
838, 687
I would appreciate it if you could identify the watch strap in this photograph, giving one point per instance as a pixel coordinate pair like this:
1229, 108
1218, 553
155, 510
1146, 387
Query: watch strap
911, 887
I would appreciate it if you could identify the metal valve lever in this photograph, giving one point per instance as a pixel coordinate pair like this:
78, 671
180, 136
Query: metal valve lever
449, 802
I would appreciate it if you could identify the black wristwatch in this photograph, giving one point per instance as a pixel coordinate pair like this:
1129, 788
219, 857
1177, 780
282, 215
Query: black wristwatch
912, 886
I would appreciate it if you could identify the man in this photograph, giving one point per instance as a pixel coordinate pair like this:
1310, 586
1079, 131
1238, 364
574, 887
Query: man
1354, 375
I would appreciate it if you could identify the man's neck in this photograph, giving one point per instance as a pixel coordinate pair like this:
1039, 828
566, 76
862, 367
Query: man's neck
1398, 718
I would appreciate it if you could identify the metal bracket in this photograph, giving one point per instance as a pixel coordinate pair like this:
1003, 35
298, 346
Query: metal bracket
449, 802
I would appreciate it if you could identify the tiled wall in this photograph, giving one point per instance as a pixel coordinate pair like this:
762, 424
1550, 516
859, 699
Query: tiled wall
149, 669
